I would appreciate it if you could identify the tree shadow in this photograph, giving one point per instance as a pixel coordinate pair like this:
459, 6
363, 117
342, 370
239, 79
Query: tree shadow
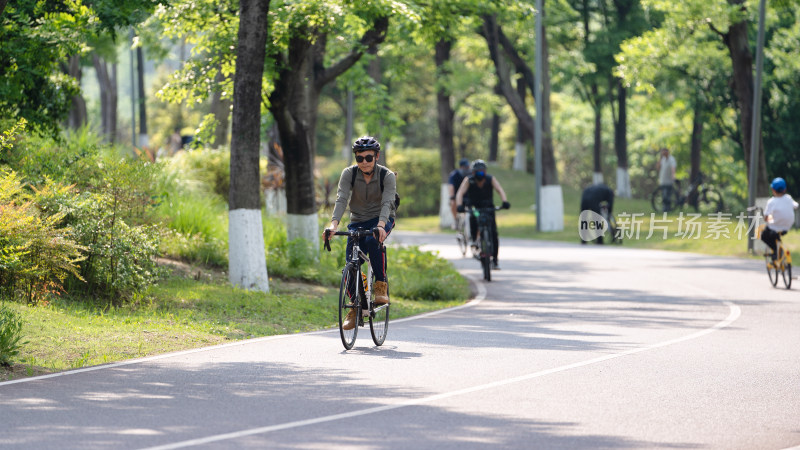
150, 404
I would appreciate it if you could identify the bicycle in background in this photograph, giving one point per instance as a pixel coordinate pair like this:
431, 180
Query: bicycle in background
699, 195
462, 233
782, 264
355, 291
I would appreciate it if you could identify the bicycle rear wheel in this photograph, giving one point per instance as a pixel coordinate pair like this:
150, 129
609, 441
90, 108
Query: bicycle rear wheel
772, 270
787, 275
657, 201
349, 301
379, 321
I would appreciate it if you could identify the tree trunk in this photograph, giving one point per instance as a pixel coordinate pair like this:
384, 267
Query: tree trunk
113, 96
445, 111
348, 126
520, 149
549, 171
221, 108
247, 259
494, 137
742, 60
293, 104
77, 114
597, 147
2, 5
621, 142
144, 140
445, 114
108, 97
697, 139
491, 32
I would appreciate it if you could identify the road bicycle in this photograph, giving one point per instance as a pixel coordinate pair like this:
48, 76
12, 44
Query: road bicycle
699, 195
462, 233
782, 263
483, 247
355, 291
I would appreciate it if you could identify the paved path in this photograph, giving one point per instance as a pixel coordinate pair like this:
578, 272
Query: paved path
569, 347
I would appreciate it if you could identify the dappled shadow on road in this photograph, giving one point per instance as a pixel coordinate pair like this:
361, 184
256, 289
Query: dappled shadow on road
545, 304
150, 404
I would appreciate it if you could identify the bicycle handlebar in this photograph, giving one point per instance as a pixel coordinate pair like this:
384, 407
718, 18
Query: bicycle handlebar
357, 233
486, 209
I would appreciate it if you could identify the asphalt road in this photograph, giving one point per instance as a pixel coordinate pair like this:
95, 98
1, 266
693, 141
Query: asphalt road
568, 347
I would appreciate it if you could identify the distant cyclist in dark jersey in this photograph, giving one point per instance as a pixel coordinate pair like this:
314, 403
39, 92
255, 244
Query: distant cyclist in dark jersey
477, 190
453, 183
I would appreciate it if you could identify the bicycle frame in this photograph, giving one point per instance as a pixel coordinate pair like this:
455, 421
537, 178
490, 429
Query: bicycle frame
355, 260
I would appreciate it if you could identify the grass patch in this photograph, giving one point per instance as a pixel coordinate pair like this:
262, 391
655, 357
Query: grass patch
193, 307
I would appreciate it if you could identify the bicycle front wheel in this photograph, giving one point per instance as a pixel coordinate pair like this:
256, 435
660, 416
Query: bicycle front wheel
462, 242
349, 301
772, 271
709, 201
379, 322
486, 255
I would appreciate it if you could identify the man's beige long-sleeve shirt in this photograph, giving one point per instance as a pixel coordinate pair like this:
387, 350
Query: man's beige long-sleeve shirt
366, 202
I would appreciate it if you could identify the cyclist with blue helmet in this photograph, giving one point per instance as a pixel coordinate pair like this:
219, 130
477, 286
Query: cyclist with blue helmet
779, 214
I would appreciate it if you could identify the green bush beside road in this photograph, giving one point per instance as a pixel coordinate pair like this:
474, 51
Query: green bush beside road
142, 253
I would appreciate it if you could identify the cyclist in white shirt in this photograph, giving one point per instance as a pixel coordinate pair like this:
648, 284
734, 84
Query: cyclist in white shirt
779, 214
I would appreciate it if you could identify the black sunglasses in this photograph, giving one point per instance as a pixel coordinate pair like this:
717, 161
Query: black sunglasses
369, 158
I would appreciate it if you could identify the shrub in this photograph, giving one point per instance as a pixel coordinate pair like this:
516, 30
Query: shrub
37, 253
119, 258
210, 167
416, 274
418, 181
73, 159
10, 335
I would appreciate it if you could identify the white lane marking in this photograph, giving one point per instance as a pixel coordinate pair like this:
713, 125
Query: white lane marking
735, 313
481, 295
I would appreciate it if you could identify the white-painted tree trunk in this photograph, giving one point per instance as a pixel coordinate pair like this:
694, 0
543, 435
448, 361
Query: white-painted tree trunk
306, 227
552, 208
520, 156
597, 177
247, 260
445, 214
144, 140
623, 183
275, 201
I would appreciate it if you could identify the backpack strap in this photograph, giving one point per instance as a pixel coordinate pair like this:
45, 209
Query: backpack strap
383, 175
383, 172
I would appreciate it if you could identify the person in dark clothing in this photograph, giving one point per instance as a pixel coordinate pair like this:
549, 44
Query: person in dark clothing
477, 190
592, 199
453, 183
